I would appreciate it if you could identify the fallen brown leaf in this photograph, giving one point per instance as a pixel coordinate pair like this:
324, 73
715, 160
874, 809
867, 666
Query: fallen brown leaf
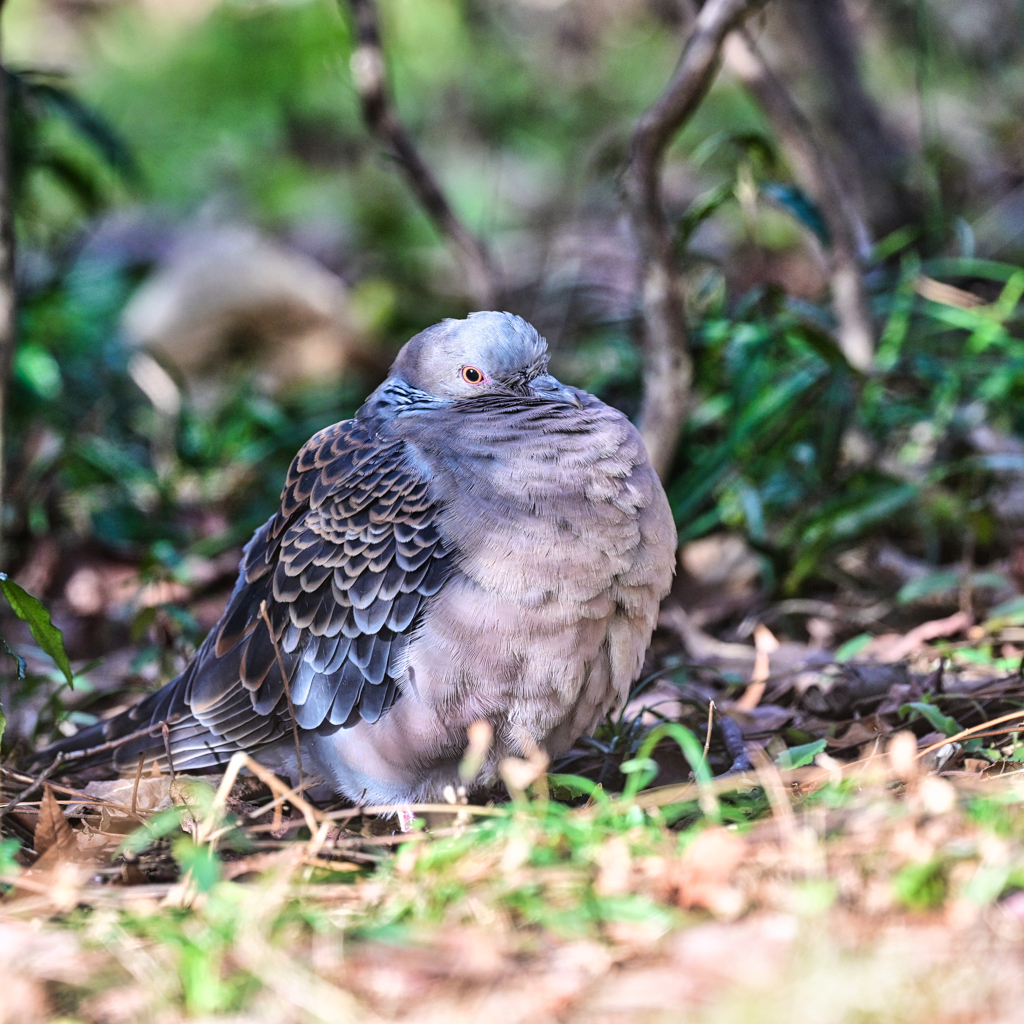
52, 829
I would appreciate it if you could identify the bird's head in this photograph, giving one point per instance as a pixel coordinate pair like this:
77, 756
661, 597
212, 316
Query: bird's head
488, 353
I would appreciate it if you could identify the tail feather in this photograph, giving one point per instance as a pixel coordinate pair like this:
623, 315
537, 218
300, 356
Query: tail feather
162, 728
145, 728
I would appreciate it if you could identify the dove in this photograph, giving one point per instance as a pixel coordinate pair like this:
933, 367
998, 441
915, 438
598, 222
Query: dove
480, 542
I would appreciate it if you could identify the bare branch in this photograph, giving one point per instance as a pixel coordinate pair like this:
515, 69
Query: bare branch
265, 615
369, 73
667, 365
817, 176
8, 305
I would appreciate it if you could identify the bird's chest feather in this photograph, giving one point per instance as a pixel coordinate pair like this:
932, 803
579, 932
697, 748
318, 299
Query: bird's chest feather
548, 515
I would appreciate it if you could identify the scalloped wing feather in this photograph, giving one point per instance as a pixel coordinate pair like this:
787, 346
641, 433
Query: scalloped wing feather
343, 569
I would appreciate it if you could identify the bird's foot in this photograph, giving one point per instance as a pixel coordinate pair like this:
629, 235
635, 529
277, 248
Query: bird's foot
405, 818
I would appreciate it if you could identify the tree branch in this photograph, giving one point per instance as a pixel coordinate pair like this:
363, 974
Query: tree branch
817, 176
369, 73
667, 365
8, 304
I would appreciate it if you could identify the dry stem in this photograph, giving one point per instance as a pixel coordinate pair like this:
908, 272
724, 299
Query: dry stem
287, 693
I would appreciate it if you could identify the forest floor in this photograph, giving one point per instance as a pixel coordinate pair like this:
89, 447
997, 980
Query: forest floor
858, 856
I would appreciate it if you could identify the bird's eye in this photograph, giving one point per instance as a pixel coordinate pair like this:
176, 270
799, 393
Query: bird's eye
471, 375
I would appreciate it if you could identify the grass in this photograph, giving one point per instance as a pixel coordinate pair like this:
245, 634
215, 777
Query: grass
829, 863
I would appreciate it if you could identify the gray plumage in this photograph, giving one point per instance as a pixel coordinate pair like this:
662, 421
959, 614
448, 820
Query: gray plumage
459, 550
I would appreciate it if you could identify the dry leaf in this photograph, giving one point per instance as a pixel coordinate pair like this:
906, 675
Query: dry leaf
31, 956
702, 876
152, 795
52, 829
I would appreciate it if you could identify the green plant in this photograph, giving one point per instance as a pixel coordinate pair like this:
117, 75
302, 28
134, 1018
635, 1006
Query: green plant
32, 611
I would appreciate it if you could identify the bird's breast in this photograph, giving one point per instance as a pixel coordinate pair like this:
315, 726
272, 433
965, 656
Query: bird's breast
556, 516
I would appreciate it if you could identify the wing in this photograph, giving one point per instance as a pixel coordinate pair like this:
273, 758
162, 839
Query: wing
343, 569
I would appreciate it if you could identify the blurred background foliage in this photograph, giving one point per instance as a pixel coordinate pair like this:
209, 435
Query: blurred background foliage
215, 260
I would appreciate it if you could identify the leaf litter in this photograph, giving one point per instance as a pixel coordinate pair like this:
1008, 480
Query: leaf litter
868, 859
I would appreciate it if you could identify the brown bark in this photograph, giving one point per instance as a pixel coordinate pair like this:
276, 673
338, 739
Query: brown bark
667, 364
816, 174
873, 157
8, 305
369, 73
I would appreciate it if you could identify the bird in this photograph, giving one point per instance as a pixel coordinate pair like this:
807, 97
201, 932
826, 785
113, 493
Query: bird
480, 542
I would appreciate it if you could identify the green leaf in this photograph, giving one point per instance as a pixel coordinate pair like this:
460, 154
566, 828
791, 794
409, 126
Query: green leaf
926, 586
88, 123
961, 266
8, 857
896, 326
44, 632
19, 660
39, 370
988, 883
577, 785
753, 145
894, 243
778, 402
945, 724
162, 824
1009, 613
921, 886
700, 209
849, 650
642, 769
799, 205
850, 520
201, 862
797, 757
639, 764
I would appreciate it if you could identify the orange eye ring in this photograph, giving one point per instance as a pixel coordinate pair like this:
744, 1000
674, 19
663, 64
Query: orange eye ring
472, 375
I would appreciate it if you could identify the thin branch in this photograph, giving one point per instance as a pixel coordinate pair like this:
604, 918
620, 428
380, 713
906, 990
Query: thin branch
8, 307
36, 785
707, 737
369, 73
667, 365
102, 748
287, 692
817, 176
165, 733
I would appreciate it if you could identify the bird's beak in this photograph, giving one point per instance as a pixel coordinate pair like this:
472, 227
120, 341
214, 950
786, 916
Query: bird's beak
554, 390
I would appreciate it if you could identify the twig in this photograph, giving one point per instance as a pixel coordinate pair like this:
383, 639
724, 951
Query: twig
76, 796
165, 732
774, 789
369, 74
287, 693
816, 175
138, 779
736, 747
964, 733
384, 809
242, 760
29, 790
965, 590
667, 365
102, 748
707, 737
